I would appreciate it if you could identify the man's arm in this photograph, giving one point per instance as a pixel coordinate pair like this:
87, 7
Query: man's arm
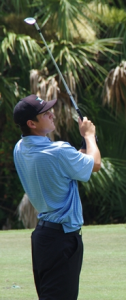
87, 130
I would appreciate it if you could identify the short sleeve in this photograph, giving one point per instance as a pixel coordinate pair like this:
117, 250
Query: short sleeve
74, 164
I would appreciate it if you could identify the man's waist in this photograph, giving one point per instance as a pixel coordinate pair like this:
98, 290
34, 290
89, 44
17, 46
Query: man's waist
56, 226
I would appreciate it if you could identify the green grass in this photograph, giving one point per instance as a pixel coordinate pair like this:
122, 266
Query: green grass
103, 275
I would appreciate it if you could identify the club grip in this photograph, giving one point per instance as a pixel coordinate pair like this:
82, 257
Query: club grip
80, 114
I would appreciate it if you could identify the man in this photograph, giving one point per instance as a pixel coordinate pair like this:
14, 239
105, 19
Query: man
49, 172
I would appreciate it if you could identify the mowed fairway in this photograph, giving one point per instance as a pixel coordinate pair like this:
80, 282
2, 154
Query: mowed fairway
103, 275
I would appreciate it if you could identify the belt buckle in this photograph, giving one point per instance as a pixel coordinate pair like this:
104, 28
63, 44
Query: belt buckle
41, 223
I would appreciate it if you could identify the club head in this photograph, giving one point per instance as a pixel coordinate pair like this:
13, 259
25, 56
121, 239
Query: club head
30, 21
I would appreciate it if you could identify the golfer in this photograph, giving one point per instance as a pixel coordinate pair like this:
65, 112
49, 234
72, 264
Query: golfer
49, 172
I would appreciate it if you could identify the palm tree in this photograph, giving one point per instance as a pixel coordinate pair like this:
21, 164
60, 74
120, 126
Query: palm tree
108, 190
114, 92
66, 24
15, 50
112, 23
18, 53
84, 60
73, 38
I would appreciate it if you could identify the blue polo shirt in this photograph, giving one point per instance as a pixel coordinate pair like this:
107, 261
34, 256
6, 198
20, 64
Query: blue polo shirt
49, 172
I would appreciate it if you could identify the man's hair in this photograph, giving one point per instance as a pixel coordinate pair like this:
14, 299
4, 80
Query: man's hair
26, 130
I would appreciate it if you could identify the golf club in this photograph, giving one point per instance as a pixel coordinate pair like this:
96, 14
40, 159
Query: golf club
32, 21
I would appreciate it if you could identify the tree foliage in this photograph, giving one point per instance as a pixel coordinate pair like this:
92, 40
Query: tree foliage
88, 41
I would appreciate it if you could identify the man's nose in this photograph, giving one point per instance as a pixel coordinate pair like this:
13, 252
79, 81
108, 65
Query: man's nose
52, 115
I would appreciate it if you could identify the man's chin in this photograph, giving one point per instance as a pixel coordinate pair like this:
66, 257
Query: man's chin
51, 130
54, 127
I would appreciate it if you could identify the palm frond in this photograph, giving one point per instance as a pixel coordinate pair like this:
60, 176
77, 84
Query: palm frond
80, 59
19, 46
108, 189
42, 85
114, 92
69, 19
28, 47
16, 6
48, 88
9, 92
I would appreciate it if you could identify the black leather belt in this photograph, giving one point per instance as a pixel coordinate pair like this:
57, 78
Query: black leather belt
56, 226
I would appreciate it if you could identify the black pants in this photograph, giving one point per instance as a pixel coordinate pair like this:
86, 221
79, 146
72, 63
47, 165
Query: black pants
57, 259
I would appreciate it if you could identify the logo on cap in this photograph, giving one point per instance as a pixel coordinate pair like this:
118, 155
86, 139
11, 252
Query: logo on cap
39, 99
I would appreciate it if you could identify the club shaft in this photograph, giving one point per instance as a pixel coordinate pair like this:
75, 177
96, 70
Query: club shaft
60, 74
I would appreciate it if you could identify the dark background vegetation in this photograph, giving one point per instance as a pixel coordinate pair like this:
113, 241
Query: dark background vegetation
67, 27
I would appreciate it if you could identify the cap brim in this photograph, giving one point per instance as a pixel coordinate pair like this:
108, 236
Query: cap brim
48, 106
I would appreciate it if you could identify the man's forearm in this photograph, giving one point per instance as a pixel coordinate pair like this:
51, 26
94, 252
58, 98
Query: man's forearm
92, 149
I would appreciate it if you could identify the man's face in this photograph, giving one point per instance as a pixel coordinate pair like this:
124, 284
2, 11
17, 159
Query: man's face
45, 123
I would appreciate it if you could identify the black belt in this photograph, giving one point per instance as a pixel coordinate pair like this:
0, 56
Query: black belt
56, 226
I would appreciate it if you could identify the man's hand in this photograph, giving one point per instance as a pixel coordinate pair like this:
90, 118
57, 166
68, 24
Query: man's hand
86, 127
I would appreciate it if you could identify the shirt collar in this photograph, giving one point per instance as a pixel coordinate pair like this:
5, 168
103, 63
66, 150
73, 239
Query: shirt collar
37, 139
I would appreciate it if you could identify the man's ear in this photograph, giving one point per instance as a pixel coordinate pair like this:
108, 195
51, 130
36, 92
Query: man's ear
31, 124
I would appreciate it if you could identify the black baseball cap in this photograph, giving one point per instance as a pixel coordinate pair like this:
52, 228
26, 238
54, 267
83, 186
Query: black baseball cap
29, 107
